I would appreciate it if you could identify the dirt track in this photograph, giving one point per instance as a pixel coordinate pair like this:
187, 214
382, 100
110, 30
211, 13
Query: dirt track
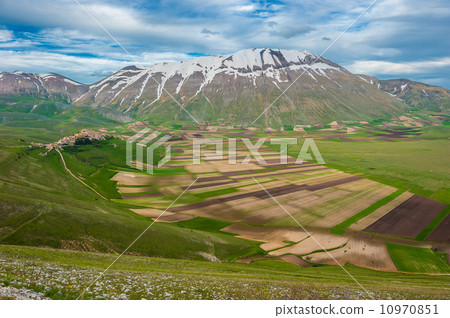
70, 172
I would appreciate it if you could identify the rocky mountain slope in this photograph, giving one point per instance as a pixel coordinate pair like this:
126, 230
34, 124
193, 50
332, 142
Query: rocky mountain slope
237, 88
49, 85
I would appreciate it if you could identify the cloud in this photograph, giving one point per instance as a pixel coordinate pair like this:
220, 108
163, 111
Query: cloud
290, 32
6, 35
82, 69
392, 31
208, 32
246, 8
150, 58
391, 68
100, 74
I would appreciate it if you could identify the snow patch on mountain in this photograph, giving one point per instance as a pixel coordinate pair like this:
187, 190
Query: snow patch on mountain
142, 87
99, 91
72, 82
251, 64
363, 79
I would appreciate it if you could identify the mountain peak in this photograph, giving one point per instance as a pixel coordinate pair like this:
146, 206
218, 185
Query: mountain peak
190, 78
260, 59
276, 51
243, 62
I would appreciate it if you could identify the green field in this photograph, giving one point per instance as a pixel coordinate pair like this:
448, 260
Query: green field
418, 260
204, 224
209, 194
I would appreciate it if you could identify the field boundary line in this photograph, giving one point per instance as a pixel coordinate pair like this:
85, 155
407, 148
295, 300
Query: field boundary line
319, 56
70, 172
129, 55
136, 239
315, 240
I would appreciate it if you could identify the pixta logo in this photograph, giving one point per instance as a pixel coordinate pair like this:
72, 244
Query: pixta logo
141, 147
135, 155
307, 151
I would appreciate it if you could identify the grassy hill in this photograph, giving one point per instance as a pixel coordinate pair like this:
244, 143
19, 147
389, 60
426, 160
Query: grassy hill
50, 208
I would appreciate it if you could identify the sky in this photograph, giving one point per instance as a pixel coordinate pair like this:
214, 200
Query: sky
393, 39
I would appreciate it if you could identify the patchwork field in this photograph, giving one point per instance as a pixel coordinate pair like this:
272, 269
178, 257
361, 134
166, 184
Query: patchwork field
370, 217
316, 199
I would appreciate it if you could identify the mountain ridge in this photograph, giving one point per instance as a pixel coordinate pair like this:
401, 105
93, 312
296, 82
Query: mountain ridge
236, 88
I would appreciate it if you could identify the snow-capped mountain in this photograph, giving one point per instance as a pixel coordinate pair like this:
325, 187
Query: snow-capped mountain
239, 86
191, 77
295, 87
41, 85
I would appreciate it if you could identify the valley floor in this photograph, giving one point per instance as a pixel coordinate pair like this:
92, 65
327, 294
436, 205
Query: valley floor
225, 238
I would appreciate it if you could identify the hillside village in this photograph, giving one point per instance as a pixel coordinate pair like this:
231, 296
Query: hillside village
92, 135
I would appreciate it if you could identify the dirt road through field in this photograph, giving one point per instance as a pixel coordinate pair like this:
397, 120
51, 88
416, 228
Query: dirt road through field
70, 172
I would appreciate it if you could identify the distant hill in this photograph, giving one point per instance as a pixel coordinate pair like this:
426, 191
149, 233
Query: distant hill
48, 85
416, 94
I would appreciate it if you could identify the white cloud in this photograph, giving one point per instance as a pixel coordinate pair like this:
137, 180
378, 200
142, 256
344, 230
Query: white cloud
75, 67
292, 31
392, 30
247, 8
6, 35
393, 68
159, 57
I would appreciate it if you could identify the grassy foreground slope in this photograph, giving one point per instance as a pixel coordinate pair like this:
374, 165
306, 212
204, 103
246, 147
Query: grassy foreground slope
66, 274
